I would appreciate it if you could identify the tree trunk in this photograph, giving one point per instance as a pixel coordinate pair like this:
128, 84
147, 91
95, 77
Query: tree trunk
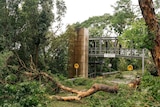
153, 30
81, 94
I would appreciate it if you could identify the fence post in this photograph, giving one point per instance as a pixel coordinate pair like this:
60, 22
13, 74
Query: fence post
143, 61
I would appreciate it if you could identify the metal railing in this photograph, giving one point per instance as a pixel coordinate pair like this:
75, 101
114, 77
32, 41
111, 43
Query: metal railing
119, 52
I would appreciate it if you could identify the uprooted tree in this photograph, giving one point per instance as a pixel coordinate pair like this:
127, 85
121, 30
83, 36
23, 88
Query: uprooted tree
153, 30
32, 73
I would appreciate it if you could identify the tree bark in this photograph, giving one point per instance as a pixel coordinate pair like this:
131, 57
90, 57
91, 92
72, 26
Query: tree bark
92, 90
134, 83
153, 29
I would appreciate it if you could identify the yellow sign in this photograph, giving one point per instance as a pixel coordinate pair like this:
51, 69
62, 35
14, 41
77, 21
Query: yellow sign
76, 65
130, 67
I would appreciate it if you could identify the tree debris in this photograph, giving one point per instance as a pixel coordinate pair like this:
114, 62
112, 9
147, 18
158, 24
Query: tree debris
80, 94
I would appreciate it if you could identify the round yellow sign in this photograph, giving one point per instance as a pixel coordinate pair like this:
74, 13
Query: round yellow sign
76, 65
130, 67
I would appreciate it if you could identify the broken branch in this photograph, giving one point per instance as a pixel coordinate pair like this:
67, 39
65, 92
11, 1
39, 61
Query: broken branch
80, 94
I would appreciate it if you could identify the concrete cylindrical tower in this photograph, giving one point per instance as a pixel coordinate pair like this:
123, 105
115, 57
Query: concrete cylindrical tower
81, 51
78, 53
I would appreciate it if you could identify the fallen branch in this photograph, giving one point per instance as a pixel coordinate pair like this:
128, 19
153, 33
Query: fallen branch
21, 62
80, 94
134, 83
95, 88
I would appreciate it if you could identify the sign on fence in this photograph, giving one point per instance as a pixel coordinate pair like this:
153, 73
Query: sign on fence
109, 55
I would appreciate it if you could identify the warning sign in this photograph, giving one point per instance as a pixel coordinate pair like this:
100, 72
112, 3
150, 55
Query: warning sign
76, 65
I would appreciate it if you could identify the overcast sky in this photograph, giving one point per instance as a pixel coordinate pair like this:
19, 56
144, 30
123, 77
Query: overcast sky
80, 10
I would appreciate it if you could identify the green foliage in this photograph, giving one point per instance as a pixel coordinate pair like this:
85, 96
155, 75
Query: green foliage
4, 55
60, 76
78, 82
38, 23
148, 41
150, 66
95, 102
146, 95
136, 36
122, 65
157, 5
150, 85
25, 24
11, 78
123, 15
25, 94
137, 33
149, 94
57, 55
24, 27
4, 71
119, 76
98, 25
82, 82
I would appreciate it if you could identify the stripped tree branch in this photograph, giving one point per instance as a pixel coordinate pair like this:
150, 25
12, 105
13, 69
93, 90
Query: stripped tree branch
80, 94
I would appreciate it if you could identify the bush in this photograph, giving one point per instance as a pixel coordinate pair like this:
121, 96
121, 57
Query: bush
122, 65
25, 94
150, 84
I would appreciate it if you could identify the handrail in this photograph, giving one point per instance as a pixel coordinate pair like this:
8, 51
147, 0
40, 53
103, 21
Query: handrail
118, 52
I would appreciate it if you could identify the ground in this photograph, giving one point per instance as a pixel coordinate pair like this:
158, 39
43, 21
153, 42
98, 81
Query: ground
99, 99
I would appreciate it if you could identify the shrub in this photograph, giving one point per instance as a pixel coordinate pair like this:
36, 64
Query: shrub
24, 94
151, 85
122, 65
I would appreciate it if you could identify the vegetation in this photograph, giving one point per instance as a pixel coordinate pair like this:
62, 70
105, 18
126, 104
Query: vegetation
30, 42
32, 93
146, 95
153, 30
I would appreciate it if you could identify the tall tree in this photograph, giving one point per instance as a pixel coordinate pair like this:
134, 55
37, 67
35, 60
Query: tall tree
122, 16
24, 25
98, 25
135, 36
151, 20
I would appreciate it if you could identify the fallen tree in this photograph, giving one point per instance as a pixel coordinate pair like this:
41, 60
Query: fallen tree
92, 90
80, 94
32, 73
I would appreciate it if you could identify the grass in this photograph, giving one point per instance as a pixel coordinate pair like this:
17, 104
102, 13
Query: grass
126, 97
